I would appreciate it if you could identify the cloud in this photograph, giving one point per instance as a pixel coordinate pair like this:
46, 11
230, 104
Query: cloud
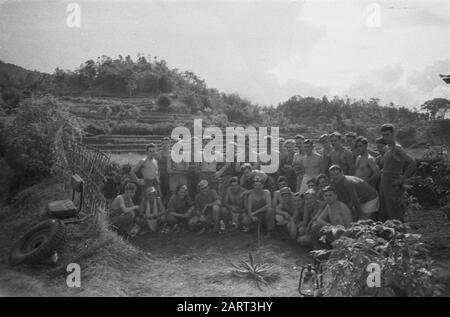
391, 83
413, 13
384, 83
428, 79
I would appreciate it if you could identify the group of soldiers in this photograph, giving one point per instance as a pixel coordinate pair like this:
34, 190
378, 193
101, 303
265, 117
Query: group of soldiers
342, 182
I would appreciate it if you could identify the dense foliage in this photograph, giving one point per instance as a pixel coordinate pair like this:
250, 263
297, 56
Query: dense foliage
403, 259
17, 83
30, 140
430, 187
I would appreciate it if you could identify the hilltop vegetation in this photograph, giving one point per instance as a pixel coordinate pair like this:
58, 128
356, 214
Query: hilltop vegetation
172, 90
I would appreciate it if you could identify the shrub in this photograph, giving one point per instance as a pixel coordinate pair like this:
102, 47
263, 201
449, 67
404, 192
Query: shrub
164, 102
143, 128
12, 96
127, 113
405, 267
105, 110
98, 127
30, 139
193, 102
431, 184
178, 107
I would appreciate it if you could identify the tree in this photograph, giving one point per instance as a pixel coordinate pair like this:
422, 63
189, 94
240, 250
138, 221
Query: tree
164, 102
437, 108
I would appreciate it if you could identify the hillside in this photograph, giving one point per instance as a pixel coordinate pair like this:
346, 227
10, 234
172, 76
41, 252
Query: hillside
126, 96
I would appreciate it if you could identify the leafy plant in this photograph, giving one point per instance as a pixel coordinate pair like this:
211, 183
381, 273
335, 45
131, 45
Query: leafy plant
31, 140
431, 185
405, 266
261, 273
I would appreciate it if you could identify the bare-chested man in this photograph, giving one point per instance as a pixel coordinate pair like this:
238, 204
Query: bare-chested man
148, 168
341, 156
259, 206
311, 164
287, 212
366, 166
335, 213
234, 202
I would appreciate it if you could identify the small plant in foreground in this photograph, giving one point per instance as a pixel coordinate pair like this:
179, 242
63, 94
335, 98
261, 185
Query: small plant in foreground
261, 273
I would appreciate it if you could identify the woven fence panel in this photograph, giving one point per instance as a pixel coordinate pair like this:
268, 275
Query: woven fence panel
91, 165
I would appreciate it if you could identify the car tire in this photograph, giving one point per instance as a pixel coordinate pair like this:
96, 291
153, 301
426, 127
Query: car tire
39, 243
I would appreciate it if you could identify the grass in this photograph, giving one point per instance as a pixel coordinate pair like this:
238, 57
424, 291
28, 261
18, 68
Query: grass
103, 256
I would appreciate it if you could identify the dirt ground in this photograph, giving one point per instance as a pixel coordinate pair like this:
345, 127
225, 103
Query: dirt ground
189, 264
434, 226
175, 264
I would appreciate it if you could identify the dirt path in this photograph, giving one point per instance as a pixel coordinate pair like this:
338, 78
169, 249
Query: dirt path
188, 264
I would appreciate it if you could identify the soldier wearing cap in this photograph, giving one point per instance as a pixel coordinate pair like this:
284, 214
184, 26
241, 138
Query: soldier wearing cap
151, 211
180, 209
286, 210
208, 207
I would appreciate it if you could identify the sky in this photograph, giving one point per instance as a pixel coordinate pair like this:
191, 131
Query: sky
265, 50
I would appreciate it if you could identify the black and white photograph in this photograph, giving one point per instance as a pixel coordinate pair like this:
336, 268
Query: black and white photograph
233, 151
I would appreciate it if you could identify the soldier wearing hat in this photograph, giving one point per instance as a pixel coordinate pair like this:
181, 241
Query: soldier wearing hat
208, 207
151, 211
286, 210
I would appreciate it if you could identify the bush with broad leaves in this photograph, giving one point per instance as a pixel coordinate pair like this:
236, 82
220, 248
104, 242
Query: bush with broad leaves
405, 266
